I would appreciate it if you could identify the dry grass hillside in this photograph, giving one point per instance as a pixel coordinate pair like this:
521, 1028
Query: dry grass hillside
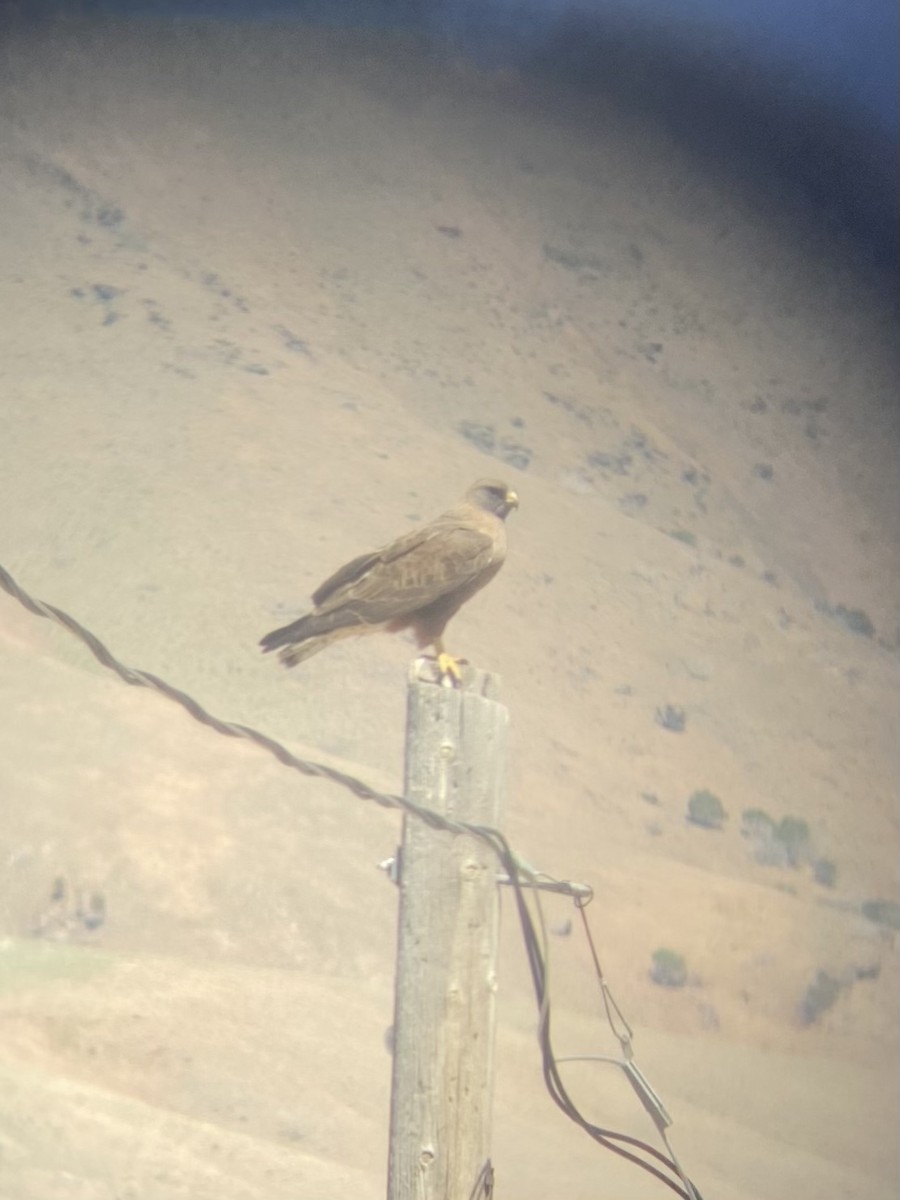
269, 297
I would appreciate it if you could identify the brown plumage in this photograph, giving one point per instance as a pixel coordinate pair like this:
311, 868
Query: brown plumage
417, 582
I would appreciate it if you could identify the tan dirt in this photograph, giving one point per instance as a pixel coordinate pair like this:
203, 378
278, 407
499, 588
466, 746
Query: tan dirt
269, 297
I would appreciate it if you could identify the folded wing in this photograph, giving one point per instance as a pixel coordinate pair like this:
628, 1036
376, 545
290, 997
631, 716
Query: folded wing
441, 563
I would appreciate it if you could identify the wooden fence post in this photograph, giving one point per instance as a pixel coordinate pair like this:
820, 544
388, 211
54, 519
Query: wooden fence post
447, 944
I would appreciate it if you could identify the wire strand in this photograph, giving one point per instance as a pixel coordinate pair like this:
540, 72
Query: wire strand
519, 875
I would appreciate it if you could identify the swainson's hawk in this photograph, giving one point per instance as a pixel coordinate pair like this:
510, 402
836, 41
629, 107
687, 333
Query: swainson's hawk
417, 582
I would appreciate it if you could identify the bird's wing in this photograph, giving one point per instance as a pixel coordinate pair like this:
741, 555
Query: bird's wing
414, 571
342, 579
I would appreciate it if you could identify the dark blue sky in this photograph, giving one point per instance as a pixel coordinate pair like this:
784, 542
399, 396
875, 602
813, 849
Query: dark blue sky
844, 49
807, 89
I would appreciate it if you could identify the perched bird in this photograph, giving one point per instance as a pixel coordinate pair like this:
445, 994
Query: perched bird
417, 582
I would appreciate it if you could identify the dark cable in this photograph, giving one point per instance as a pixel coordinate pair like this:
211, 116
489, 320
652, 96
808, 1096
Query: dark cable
493, 837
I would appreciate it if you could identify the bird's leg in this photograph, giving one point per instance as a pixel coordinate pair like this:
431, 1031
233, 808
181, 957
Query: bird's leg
449, 672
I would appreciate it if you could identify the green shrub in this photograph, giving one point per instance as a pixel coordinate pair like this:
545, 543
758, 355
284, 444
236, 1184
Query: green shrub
671, 718
793, 834
706, 809
820, 996
825, 872
882, 912
756, 822
669, 968
855, 620
785, 844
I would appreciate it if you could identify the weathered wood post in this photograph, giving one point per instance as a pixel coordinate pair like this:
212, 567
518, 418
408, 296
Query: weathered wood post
447, 942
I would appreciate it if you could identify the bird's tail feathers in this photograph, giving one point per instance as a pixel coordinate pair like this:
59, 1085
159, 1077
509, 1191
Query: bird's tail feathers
295, 652
310, 634
297, 631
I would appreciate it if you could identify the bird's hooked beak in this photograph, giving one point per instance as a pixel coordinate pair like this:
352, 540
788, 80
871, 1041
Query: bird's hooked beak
512, 500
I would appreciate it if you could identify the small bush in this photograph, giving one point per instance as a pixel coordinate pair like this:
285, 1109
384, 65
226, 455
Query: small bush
755, 822
825, 872
855, 620
820, 996
706, 809
767, 850
671, 718
785, 844
793, 834
882, 912
669, 968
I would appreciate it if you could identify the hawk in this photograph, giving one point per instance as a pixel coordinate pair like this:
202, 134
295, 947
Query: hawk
417, 582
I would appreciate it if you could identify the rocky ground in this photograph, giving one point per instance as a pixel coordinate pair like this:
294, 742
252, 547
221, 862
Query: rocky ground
272, 296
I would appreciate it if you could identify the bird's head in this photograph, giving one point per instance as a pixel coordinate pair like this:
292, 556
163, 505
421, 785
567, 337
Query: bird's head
493, 496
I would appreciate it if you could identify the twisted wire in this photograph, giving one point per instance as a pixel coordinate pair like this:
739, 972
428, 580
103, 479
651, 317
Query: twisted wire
518, 874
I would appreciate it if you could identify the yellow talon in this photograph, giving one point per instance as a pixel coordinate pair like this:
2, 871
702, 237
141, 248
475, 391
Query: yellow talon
449, 669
